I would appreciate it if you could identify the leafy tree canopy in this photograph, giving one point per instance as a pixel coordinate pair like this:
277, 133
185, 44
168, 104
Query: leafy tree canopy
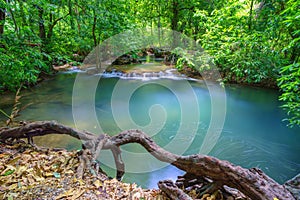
254, 42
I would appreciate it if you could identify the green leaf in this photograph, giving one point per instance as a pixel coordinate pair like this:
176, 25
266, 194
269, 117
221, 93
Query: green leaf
8, 172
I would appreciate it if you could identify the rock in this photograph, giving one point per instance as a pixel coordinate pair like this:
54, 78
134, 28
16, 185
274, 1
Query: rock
62, 67
293, 185
125, 60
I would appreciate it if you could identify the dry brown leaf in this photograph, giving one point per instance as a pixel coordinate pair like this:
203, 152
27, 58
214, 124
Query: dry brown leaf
66, 194
98, 183
77, 194
13, 161
48, 174
34, 177
4, 155
20, 170
69, 172
13, 186
30, 179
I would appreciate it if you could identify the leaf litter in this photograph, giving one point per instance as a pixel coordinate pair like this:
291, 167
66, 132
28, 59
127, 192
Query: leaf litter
30, 173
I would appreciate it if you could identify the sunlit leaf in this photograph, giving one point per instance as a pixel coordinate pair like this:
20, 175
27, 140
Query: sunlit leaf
98, 184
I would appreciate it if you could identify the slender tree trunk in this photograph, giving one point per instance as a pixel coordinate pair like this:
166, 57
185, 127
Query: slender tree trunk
42, 32
2, 20
97, 50
77, 19
196, 31
175, 17
174, 22
250, 15
52, 24
159, 24
94, 29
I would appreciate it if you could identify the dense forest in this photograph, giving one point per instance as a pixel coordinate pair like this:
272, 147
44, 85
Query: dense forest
253, 42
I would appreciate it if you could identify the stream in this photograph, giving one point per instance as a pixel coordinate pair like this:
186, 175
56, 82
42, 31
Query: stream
253, 134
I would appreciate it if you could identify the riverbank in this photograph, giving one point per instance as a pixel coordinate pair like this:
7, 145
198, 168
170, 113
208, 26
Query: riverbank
268, 83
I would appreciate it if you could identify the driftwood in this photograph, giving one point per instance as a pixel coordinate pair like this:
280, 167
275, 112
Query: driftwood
251, 182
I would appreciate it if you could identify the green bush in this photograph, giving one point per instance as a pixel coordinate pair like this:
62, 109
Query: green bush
289, 83
20, 63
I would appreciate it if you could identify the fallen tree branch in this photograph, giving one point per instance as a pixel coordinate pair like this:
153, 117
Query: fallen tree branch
251, 182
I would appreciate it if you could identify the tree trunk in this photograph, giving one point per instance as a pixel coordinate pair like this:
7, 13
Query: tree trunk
175, 15
174, 22
250, 15
251, 182
2, 20
42, 32
94, 29
52, 25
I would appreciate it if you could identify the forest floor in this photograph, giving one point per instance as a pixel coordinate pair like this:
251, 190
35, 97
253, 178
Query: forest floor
30, 173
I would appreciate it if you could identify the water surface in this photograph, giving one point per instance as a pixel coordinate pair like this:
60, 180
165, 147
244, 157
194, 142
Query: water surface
253, 134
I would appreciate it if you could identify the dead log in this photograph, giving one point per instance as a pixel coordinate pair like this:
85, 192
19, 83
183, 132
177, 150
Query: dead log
251, 182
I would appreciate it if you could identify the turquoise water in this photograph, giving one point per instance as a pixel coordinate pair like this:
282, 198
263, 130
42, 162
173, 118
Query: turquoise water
253, 134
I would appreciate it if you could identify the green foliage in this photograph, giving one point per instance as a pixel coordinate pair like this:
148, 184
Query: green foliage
39, 34
250, 41
258, 45
242, 55
289, 83
197, 60
20, 63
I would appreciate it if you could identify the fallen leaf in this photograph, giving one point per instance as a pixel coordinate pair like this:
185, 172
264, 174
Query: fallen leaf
38, 178
48, 174
66, 194
4, 155
98, 184
20, 170
8, 172
69, 172
13, 186
77, 194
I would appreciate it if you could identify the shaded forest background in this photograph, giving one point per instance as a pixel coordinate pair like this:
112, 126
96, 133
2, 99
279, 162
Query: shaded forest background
254, 42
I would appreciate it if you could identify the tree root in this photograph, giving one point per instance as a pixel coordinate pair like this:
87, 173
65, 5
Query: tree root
172, 190
251, 182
